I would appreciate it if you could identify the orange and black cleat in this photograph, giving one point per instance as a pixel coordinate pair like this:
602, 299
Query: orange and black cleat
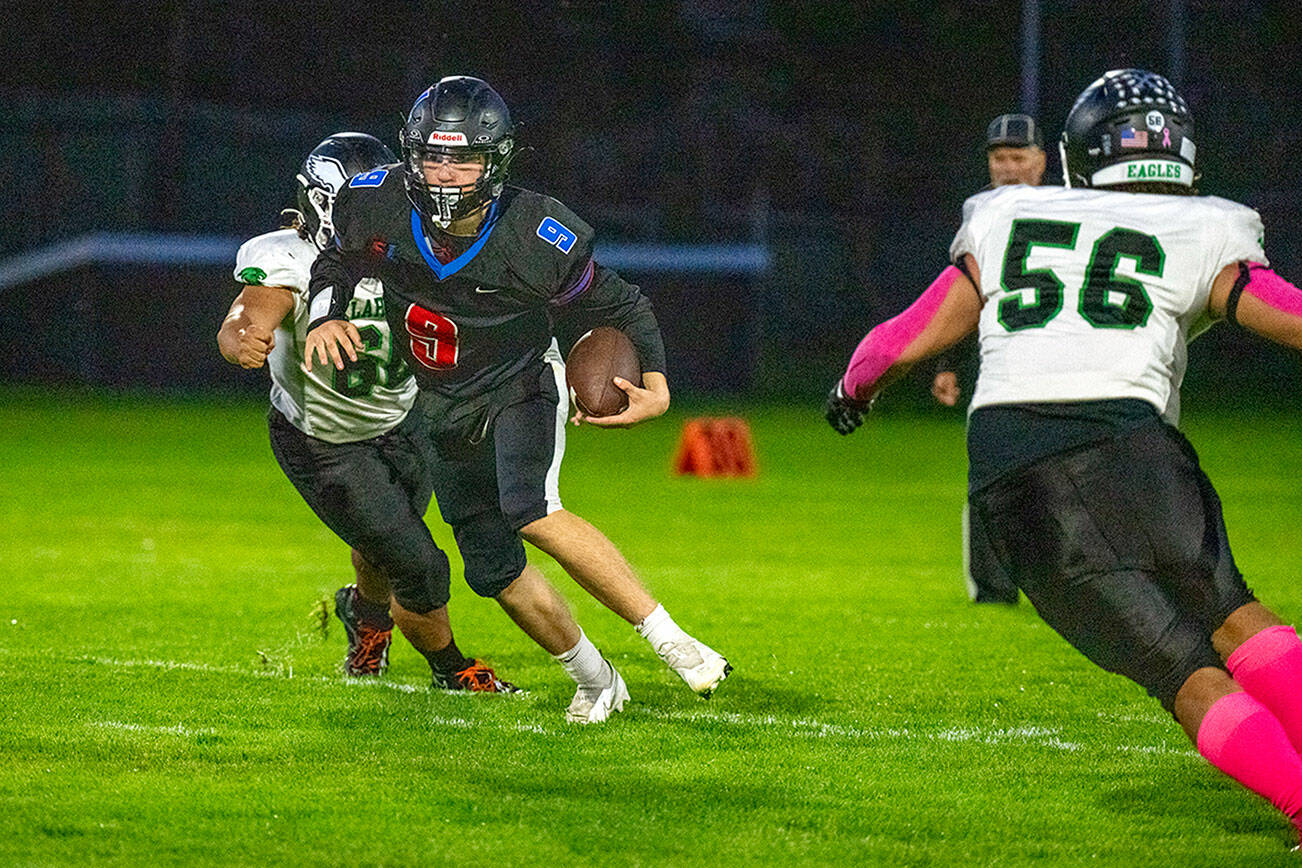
477, 678
368, 644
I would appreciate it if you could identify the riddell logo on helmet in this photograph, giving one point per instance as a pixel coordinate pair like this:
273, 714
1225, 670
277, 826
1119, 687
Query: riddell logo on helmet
441, 138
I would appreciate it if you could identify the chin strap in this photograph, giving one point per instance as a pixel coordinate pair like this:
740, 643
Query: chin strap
291, 218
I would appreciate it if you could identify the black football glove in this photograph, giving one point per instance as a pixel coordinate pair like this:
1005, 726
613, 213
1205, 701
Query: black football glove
843, 412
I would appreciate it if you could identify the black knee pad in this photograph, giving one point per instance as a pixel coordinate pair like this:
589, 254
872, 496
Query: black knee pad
492, 551
417, 569
422, 594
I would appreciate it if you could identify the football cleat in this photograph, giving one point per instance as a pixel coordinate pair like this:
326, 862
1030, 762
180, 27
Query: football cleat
476, 678
595, 704
696, 663
368, 645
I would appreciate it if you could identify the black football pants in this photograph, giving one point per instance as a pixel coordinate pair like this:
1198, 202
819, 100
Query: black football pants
373, 494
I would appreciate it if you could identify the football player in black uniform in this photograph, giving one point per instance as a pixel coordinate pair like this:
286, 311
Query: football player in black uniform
479, 278
348, 442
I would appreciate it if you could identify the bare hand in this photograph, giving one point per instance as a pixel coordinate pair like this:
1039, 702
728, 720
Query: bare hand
324, 342
945, 388
643, 404
255, 344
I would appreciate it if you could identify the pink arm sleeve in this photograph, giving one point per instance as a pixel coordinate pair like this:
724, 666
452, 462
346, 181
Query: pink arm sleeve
884, 345
1268, 287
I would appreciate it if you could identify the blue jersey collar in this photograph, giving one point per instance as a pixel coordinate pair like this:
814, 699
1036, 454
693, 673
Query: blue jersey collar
441, 271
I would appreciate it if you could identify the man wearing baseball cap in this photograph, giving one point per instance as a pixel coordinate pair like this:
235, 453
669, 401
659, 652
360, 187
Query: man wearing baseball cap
1015, 150
1015, 155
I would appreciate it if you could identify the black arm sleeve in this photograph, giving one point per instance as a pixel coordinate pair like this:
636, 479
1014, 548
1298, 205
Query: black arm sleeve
1236, 292
331, 288
611, 301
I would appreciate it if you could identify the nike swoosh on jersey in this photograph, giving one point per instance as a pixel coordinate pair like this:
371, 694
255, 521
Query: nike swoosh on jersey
481, 289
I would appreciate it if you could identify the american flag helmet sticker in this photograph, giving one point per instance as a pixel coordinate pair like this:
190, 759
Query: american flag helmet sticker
1134, 138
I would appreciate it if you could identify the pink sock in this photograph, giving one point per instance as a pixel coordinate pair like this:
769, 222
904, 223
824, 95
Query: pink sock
1269, 666
1242, 738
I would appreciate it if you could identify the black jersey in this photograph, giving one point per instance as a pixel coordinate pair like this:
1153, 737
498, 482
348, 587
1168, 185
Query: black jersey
472, 317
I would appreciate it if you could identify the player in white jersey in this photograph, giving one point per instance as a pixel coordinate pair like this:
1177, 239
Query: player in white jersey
1085, 298
1142, 270
344, 436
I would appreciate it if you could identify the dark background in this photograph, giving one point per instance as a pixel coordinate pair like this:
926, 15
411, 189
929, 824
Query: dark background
845, 136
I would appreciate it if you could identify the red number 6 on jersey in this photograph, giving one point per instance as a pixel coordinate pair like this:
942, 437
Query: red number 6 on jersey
433, 338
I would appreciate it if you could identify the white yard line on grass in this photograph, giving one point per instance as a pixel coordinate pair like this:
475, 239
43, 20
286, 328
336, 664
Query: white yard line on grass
160, 730
801, 726
810, 727
288, 675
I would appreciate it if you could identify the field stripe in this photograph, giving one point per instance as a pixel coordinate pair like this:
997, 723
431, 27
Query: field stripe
813, 728
156, 730
801, 726
285, 673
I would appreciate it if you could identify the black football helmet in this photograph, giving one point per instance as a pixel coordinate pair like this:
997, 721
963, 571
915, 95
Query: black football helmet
1129, 127
460, 117
324, 172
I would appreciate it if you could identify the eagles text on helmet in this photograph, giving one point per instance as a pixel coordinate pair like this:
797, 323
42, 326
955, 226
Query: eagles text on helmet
1129, 126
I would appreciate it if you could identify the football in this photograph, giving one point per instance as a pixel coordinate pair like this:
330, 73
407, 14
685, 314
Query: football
595, 360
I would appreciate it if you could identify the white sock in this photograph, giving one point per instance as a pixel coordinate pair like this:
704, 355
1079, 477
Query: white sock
585, 664
658, 628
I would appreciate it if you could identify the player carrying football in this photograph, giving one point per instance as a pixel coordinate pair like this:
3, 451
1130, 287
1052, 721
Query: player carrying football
345, 437
1085, 298
478, 278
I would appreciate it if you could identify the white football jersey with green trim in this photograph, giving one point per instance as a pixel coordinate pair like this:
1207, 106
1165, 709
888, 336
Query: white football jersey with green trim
367, 398
1094, 294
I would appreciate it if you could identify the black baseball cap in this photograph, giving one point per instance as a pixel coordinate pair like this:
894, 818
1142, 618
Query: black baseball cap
1014, 131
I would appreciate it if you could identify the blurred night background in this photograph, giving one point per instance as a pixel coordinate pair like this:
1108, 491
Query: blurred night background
839, 139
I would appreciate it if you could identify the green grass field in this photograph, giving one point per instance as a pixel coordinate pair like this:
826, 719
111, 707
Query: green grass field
169, 698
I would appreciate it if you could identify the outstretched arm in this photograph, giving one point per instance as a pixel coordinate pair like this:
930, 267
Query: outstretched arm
330, 292
941, 317
1258, 299
247, 335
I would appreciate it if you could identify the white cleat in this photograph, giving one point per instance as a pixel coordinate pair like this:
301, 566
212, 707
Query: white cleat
696, 663
594, 705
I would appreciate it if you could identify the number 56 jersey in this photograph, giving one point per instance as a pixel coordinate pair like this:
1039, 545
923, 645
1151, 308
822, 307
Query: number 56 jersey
1094, 294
